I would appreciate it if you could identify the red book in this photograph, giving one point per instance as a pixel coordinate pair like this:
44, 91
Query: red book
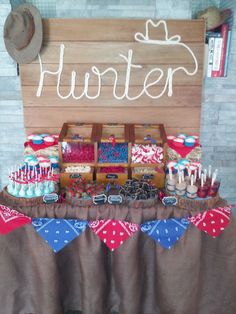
224, 34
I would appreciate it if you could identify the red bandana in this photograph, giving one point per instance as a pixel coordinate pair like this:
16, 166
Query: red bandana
113, 232
11, 219
212, 221
182, 151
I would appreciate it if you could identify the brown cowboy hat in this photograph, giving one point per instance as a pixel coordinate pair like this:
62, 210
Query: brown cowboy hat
23, 33
214, 17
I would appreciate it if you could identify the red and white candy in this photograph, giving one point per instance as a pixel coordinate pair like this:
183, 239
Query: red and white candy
147, 154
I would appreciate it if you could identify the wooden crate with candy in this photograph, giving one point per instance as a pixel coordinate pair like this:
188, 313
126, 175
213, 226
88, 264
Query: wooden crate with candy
153, 175
148, 153
78, 144
114, 174
113, 149
70, 173
148, 145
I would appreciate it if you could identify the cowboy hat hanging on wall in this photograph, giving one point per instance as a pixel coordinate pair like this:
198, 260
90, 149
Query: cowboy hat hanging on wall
23, 33
214, 17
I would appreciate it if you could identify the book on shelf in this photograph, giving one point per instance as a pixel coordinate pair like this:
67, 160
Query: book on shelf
224, 34
227, 53
218, 51
218, 43
211, 42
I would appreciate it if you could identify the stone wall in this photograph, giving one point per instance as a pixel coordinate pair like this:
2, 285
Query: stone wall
11, 114
218, 132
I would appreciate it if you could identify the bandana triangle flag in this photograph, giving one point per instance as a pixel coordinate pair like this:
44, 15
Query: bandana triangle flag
11, 219
213, 221
113, 232
166, 232
58, 233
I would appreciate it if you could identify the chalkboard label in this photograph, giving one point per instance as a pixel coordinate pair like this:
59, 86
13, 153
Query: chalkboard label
112, 176
99, 199
148, 176
50, 198
169, 201
75, 176
115, 199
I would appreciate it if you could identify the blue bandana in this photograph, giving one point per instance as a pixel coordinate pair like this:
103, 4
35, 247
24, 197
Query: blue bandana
166, 232
58, 233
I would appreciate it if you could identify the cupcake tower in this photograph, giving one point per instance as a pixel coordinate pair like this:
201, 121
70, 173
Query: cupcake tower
193, 183
31, 181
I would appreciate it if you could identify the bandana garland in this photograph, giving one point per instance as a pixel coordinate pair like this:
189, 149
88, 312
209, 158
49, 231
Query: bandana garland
60, 232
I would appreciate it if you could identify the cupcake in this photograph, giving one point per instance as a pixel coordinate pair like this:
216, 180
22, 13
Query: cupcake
182, 135
189, 141
45, 163
184, 162
37, 139
40, 158
170, 137
178, 142
54, 162
49, 140
33, 162
30, 137
28, 158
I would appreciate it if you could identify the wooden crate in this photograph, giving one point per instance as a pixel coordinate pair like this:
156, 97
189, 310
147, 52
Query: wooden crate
114, 137
146, 135
77, 136
67, 177
155, 177
116, 177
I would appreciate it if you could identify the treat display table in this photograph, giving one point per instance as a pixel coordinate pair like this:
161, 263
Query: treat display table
197, 276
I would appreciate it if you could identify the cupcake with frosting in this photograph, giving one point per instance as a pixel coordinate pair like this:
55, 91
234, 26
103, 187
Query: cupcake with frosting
37, 139
178, 142
49, 140
189, 141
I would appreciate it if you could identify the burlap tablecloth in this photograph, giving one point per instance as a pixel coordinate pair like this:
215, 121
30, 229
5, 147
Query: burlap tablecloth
197, 276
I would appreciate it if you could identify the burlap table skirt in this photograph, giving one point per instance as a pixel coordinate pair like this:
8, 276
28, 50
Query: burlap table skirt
197, 276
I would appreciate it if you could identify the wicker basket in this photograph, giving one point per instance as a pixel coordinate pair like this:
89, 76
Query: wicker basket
75, 201
21, 201
202, 204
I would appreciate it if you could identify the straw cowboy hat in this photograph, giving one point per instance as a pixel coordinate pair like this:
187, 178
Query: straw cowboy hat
23, 33
214, 17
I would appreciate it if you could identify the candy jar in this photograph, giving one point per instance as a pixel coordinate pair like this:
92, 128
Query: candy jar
203, 188
192, 189
214, 186
170, 182
181, 185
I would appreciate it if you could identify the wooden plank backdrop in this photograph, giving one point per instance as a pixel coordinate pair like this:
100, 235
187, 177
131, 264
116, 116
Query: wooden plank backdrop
99, 42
